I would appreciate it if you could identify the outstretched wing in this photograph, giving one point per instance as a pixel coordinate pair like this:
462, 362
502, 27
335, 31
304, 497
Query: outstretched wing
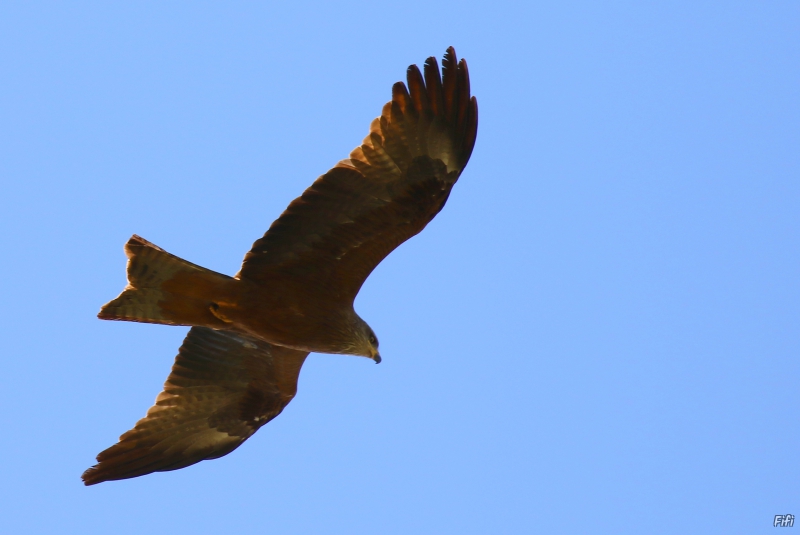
222, 388
332, 237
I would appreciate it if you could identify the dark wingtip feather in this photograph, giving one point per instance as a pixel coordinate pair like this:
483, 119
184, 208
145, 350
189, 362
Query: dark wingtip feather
463, 94
449, 60
116, 462
90, 477
416, 87
463, 72
433, 83
472, 130
400, 96
449, 87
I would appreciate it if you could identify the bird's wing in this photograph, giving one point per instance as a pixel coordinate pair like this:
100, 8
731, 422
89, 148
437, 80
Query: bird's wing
222, 388
332, 237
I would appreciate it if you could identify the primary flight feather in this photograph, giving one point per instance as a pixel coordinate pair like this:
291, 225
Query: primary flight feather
238, 366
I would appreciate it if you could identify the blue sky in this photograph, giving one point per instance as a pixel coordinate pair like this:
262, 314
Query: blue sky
598, 334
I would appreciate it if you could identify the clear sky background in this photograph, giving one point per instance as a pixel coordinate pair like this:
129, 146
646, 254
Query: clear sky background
598, 334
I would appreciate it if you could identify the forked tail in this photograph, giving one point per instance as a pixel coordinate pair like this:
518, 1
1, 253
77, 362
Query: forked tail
163, 288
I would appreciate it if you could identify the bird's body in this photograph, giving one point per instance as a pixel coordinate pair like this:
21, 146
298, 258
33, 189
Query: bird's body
278, 311
251, 333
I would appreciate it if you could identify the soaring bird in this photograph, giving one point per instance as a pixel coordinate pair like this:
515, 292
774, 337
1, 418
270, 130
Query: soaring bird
250, 334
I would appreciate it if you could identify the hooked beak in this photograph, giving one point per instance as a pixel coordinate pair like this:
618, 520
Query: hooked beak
376, 357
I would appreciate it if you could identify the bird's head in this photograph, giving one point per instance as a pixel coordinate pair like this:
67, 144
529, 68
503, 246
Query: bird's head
363, 341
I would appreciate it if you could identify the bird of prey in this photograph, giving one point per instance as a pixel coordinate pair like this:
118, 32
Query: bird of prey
250, 334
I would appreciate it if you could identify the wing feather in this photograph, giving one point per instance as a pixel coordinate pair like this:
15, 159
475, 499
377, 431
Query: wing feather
333, 236
223, 387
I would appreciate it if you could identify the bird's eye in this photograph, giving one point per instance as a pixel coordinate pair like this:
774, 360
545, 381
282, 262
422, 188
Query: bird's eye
372, 339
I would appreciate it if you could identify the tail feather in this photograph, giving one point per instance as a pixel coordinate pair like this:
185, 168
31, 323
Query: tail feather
163, 288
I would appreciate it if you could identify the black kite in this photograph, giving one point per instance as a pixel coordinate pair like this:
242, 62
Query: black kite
238, 366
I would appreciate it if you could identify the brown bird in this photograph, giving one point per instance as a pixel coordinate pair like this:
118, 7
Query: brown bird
238, 366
